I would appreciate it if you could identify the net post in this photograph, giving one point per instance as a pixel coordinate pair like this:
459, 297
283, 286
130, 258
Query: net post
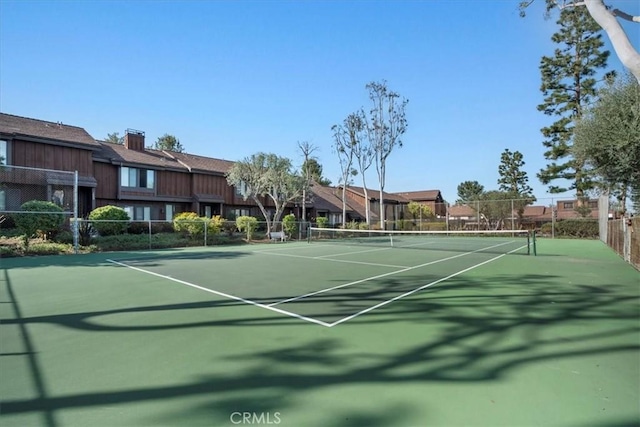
533, 236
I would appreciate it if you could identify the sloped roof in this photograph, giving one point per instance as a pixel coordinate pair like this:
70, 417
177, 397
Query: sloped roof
461, 210
201, 163
539, 211
375, 194
117, 153
40, 129
328, 198
421, 195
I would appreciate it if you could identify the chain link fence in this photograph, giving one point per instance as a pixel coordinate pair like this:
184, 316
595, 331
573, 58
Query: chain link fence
623, 236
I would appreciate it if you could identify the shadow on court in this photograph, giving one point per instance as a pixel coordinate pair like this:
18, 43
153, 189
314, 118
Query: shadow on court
471, 331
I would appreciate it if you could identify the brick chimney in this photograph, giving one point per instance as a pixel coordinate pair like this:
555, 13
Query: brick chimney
134, 140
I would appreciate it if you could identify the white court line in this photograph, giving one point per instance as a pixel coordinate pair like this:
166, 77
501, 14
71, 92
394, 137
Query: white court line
354, 252
321, 291
336, 260
419, 289
222, 294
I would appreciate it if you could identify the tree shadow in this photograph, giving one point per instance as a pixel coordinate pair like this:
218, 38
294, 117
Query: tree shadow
471, 330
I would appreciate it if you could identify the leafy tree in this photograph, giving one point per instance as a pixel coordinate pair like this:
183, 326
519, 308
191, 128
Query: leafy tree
386, 124
606, 18
419, 211
169, 143
469, 191
495, 207
114, 138
267, 175
568, 85
515, 181
47, 220
314, 169
344, 137
608, 137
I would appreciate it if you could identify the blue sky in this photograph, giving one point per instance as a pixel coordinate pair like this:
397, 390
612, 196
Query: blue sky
230, 79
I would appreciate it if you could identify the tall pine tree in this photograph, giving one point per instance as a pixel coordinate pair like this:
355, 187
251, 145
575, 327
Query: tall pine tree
515, 181
569, 85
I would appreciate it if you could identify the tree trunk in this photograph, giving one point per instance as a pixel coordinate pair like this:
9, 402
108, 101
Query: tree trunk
627, 54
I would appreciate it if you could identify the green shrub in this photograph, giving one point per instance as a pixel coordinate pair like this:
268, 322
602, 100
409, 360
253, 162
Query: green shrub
247, 224
138, 228
215, 225
64, 237
229, 227
49, 248
189, 223
546, 228
289, 224
43, 223
322, 221
109, 213
161, 227
363, 226
580, 228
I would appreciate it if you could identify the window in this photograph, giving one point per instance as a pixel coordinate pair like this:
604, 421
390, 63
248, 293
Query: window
593, 204
138, 213
169, 213
137, 178
241, 188
3, 153
240, 212
567, 205
335, 218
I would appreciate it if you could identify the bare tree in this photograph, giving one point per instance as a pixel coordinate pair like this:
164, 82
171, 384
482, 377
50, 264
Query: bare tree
363, 152
385, 126
306, 149
343, 136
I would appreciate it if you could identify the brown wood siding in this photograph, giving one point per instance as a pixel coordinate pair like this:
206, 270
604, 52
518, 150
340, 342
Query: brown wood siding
211, 184
46, 156
107, 177
171, 183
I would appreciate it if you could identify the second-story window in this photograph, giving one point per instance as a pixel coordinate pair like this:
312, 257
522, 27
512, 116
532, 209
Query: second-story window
567, 205
137, 178
3, 153
241, 188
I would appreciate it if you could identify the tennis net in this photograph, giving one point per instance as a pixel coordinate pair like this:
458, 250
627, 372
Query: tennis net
491, 241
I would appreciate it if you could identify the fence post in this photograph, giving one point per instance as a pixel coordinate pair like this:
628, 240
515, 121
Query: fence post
75, 212
205, 232
149, 224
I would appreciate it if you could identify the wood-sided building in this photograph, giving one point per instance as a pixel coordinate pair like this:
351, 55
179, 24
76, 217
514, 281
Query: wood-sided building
149, 184
48, 146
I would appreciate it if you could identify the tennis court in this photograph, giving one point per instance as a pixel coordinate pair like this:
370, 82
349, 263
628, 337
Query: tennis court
337, 277
345, 330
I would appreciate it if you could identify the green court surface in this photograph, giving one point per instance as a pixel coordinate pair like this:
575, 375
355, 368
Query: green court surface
323, 334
